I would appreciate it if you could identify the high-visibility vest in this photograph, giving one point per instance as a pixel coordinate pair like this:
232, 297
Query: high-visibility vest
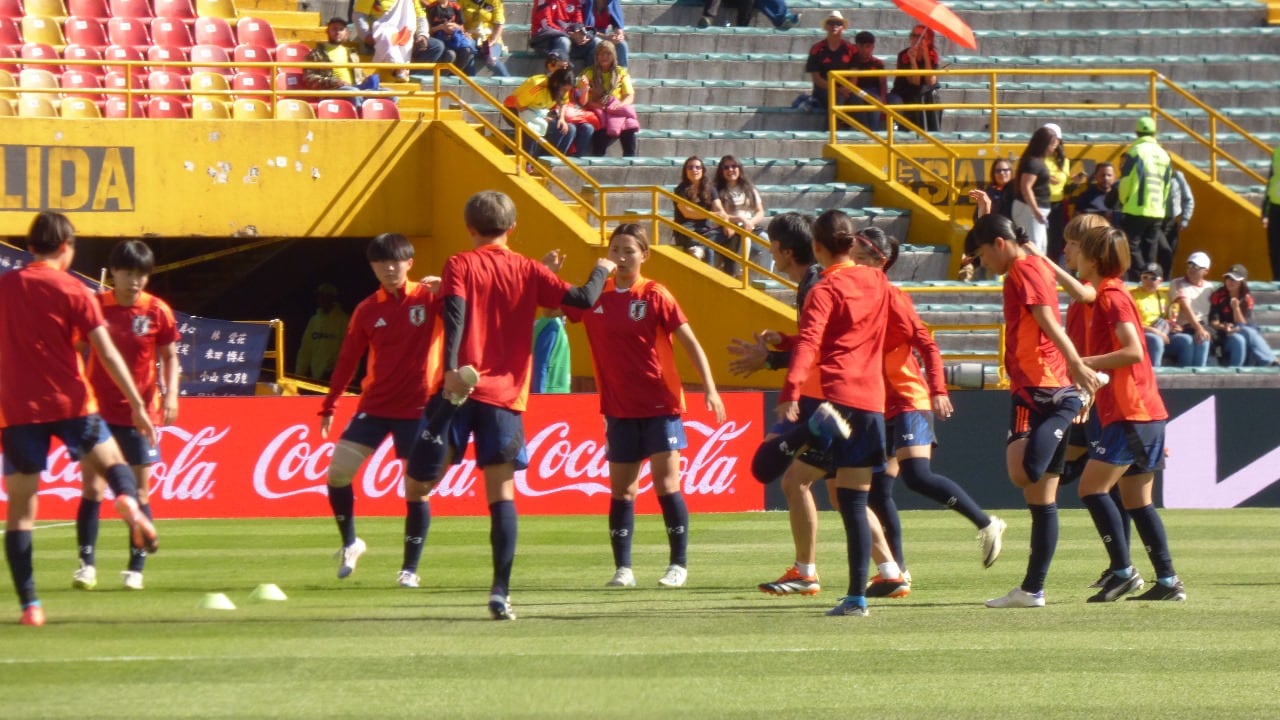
1273, 187
1145, 185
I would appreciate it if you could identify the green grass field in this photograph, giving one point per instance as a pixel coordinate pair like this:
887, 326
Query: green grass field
363, 648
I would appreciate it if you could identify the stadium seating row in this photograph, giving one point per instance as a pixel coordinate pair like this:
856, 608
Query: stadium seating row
103, 10
136, 32
201, 58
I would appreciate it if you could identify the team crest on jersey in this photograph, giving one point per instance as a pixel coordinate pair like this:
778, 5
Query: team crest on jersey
418, 314
638, 309
141, 325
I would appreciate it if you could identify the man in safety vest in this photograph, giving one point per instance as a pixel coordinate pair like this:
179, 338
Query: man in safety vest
1143, 190
1271, 214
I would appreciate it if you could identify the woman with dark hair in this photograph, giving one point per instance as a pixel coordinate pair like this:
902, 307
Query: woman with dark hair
741, 201
920, 55
1040, 362
694, 215
641, 397
1061, 184
1031, 188
1231, 318
540, 101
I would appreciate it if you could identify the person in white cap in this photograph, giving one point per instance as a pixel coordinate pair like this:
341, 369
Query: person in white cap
1189, 300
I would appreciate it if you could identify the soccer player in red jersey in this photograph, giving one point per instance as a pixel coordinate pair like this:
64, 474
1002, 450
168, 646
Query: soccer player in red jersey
842, 330
143, 330
912, 402
1130, 444
1040, 362
630, 329
490, 296
44, 313
399, 327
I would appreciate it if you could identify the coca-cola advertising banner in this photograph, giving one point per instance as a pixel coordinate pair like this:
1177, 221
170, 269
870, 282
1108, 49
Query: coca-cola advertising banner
263, 457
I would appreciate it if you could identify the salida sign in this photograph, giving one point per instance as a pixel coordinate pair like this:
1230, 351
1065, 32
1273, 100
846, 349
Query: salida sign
263, 457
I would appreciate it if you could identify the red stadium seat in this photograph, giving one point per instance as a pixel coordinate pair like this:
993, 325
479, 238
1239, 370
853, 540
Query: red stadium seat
171, 32
379, 109
253, 54
82, 85
169, 84
139, 9
90, 9
12, 9
336, 109
118, 107
120, 53
159, 55
40, 51
166, 108
176, 10
215, 31
85, 31
117, 82
74, 53
128, 32
251, 86
10, 34
211, 54
291, 53
7, 52
289, 80
252, 31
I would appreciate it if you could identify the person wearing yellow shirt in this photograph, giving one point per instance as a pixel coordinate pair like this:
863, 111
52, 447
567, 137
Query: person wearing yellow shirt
1061, 184
322, 339
1153, 312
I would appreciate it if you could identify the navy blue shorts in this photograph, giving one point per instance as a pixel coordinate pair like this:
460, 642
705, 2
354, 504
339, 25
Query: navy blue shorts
631, 440
26, 447
1043, 417
499, 437
912, 428
807, 406
1137, 445
136, 449
370, 431
1085, 434
864, 447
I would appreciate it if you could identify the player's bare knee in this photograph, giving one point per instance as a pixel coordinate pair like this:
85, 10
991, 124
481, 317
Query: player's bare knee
418, 491
347, 459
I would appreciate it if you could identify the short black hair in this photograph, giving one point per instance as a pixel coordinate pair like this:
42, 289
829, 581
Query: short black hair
794, 231
389, 246
863, 38
49, 231
132, 255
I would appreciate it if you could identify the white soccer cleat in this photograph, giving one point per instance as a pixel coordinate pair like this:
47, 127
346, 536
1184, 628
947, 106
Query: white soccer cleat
674, 577
347, 558
500, 607
407, 579
469, 376
85, 578
131, 580
990, 539
622, 578
1018, 598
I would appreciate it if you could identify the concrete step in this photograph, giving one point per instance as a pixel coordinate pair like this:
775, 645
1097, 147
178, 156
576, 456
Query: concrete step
665, 171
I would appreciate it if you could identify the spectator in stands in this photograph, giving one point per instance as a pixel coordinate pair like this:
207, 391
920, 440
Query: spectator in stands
775, 10
557, 26
539, 102
1271, 214
876, 87
920, 55
1094, 199
1144, 184
605, 17
322, 339
996, 197
1152, 311
1179, 207
371, 15
832, 53
1189, 296
694, 215
607, 90
742, 204
1061, 184
484, 20
1231, 317
1031, 189
445, 21
337, 78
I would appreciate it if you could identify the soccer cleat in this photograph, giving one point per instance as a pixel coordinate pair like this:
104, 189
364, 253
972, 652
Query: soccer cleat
407, 579
792, 583
142, 534
131, 580
674, 577
990, 540
826, 423
1175, 592
622, 578
1102, 579
1018, 598
85, 578
1114, 586
848, 607
500, 607
469, 376
32, 615
348, 556
889, 587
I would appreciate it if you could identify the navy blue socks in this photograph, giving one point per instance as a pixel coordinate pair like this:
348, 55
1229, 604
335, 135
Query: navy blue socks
502, 538
857, 533
1106, 518
417, 521
881, 503
342, 500
87, 518
622, 525
1044, 541
17, 550
675, 515
920, 478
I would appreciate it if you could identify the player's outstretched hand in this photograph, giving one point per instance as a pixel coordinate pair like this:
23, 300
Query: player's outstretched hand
716, 405
748, 356
144, 426
554, 260
432, 282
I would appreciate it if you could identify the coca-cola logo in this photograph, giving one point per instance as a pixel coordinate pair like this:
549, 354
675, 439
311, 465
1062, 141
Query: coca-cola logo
187, 475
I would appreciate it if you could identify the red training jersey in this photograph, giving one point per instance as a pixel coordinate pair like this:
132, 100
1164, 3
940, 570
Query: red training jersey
1031, 360
404, 336
629, 330
138, 331
503, 291
842, 327
44, 312
1077, 325
905, 388
1132, 393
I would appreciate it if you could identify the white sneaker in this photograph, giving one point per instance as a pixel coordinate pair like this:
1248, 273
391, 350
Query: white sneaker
674, 577
622, 578
131, 580
500, 607
469, 376
407, 579
85, 578
348, 556
990, 540
1018, 598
